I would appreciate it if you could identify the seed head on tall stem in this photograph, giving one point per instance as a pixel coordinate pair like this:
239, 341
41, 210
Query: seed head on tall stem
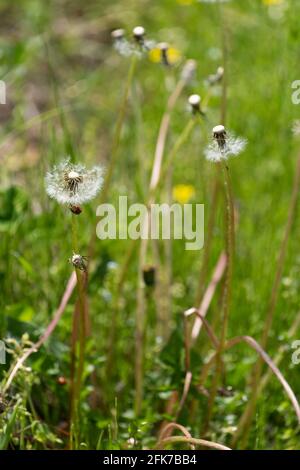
73, 184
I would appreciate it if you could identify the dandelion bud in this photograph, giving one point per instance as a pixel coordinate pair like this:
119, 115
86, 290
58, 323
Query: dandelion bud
138, 34
188, 70
79, 262
75, 209
61, 380
149, 275
118, 34
217, 77
194, 101
219, 134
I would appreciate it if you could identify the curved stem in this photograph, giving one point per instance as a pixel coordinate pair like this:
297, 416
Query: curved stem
190, 440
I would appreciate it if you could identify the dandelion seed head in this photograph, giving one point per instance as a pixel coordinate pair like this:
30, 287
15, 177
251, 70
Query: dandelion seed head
219, 130
224, 145
194, 100
138, 32
73, 184
118, 34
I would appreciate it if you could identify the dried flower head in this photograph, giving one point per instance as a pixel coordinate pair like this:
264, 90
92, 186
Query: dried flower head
224, 145
73, 184
188, 70
127, 48
194, 102
121, 44
149, 273
216, 77
79, 262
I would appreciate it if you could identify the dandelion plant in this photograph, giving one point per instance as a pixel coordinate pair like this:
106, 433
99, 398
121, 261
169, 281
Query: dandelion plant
73, 185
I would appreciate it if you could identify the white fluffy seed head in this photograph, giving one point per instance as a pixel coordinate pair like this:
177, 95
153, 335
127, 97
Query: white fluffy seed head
138, 32
118, 33
219, 130
194, 100
220, 71
73, 184
224, 145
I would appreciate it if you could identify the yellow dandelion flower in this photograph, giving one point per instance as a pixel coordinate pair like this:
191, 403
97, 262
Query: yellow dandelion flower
164, 54
183, 193
185, 2
272, 2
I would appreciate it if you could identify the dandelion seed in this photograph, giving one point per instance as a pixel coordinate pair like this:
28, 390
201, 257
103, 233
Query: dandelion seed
224, 145
73, 184
78, 262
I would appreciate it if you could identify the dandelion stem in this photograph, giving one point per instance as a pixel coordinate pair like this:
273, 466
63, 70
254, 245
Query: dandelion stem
226, 290
75, 393
208, 238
